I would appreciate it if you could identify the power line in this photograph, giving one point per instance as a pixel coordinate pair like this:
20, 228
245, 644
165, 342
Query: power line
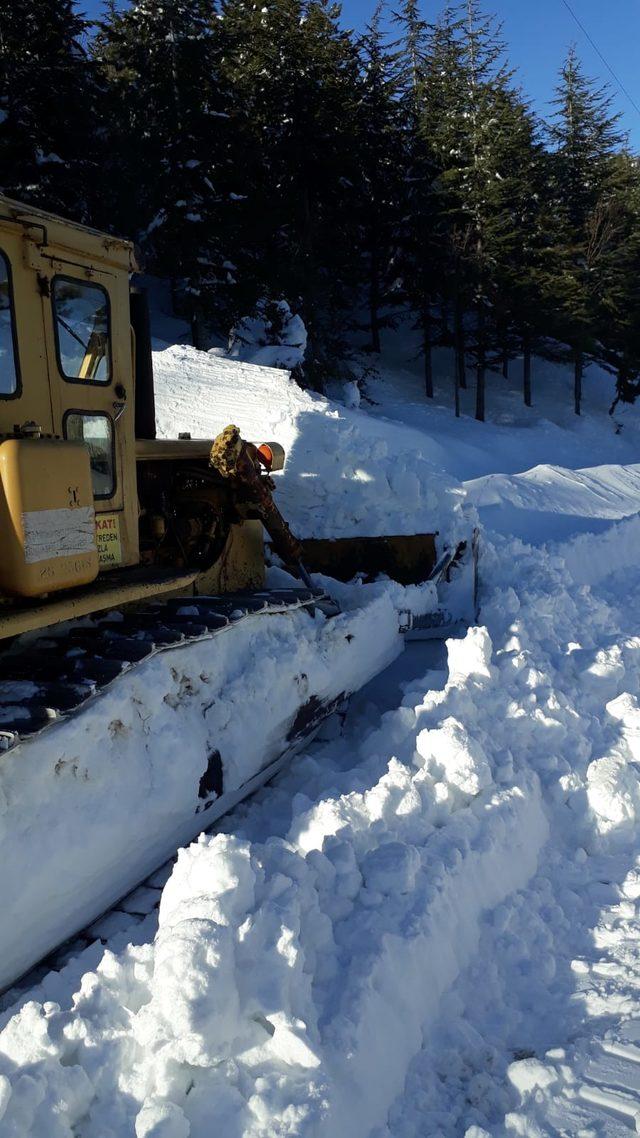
599, 53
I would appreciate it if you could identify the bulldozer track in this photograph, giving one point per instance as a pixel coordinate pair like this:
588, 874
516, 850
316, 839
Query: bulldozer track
118, 920
55, 675
121, 919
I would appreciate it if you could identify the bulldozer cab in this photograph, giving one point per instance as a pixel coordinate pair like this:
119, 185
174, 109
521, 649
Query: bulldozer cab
66, 361
88, 495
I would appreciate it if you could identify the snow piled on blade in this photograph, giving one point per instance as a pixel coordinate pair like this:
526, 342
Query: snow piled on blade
346, 473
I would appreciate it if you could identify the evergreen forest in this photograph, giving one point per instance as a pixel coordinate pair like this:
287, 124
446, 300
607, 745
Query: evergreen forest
261, 151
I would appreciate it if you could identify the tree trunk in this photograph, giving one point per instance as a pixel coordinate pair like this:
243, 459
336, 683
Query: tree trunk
374, 301
427, 352
459, 368
175, 297
481, 366
578, 368
505, 363
444, 323
462, 360
313, 370
526, 369
197, 331
375, 331
620, 386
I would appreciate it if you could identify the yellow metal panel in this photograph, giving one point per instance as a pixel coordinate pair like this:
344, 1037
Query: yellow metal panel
47, 517
163, 450
115, 398
241, 564
131, 587
38, 246
32, 402
51, 236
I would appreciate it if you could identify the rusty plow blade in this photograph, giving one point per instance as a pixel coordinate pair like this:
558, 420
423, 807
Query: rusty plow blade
409, 560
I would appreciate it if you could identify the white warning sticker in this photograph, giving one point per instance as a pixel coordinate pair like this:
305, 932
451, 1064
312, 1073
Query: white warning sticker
58, 533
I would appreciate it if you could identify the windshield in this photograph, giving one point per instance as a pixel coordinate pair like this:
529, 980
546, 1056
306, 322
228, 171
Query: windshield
82, 329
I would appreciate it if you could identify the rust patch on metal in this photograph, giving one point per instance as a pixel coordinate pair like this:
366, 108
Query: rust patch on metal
311, 714
212, 781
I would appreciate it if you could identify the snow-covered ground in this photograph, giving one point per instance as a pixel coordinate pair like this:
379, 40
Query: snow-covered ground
427, 925
346, 473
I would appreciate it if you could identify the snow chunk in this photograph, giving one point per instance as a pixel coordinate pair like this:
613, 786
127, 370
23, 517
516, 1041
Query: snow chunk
470, 655
528, 1074
453, 757
196, 1005
613, 792
162, 1120
215, 883
391, 868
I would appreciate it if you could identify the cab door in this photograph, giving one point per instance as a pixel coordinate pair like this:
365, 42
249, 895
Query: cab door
25, 395
87, 330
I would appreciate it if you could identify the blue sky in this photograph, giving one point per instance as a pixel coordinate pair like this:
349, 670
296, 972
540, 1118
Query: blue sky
538, 33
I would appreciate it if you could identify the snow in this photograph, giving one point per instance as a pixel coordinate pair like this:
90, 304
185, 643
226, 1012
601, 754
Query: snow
428, 924
69, 787
274, 337
346, 474
276, 960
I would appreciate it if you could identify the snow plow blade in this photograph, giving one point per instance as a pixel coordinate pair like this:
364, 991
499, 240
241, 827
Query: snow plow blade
407, 559
410, 559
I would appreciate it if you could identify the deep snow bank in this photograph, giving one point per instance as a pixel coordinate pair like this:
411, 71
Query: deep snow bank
557, 970
290, 979
346, 473
553, 503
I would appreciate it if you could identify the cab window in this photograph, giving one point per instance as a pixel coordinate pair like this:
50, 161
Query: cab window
81, 318
96, 432
8, 355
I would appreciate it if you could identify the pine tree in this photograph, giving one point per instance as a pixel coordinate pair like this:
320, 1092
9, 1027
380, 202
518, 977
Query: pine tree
518, 200
417, 260
445, 229
613, 239
49, 154
381, 172
169, 137
585, 136
296, 74
487, 78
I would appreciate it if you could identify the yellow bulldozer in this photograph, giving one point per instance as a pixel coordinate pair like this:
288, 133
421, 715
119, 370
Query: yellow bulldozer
95, 511
117, 551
